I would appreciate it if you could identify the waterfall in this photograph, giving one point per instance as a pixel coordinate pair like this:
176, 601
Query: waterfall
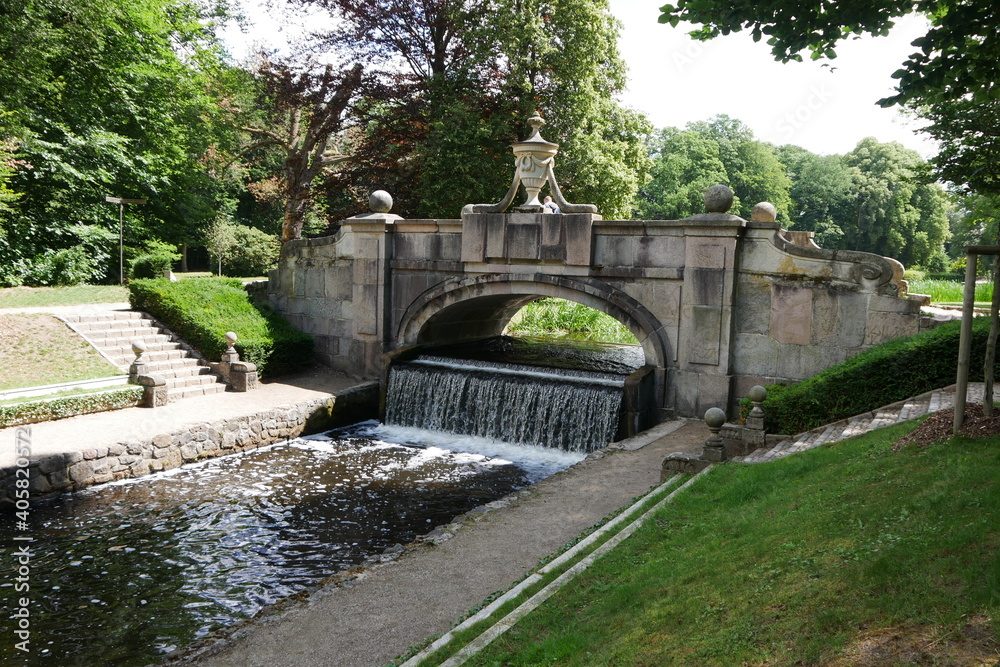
564, 409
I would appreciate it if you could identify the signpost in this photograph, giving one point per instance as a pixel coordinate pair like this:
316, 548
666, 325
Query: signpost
121, 233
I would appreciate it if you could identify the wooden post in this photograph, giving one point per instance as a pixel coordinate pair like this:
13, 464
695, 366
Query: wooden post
965, 342
991, 343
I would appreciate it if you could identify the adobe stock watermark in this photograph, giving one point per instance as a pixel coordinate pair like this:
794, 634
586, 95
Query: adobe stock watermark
800, 116
20, 605
690, 55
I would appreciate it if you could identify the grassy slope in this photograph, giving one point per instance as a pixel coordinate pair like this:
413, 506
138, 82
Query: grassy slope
40, 349
827, 557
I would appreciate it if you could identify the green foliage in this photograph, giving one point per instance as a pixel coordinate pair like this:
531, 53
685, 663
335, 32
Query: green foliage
568, 319
900, 213
109, 98
437, 136
949, 290
157, 258
202, 310
31, 412
722, 150
875, 377
685, 165
240, 250
949, 79
254, 253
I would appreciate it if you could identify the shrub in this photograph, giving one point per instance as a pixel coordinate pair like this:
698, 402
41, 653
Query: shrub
32, 412
157, 258
253, 253
875, 377
202, 310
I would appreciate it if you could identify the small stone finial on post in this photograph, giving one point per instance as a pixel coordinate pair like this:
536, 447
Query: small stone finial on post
380, 201
230, 355
714, 449
753, 435
140, 366
764, 212
718, 199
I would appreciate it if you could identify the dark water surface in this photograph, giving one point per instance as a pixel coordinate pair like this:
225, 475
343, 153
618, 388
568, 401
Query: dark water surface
125, 573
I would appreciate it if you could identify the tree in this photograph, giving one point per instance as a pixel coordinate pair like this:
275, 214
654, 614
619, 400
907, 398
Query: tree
308, 106
754, 172
685, 165
109, 98
950, 79
458, 80
822, 193
900, 212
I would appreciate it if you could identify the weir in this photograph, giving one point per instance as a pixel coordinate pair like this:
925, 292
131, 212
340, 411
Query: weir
549, 407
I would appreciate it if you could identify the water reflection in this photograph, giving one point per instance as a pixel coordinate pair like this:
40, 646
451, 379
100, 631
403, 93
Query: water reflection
126, 572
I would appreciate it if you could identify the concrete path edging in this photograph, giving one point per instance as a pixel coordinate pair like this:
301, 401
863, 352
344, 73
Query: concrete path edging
508, 621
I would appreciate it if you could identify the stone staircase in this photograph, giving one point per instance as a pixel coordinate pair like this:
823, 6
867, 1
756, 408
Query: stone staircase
932, 401
112, 333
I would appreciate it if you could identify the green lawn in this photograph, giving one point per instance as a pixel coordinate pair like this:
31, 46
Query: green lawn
22, 297
40, 349
844, 555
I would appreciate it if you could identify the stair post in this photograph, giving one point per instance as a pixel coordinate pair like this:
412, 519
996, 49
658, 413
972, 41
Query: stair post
154, 387
239, 375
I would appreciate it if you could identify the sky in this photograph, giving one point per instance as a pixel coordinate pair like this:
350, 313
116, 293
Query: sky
675, 80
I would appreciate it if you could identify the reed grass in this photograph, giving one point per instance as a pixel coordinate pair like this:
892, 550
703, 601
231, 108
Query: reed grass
559, 318
951, 292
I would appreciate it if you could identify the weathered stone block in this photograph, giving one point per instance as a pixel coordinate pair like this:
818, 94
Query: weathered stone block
81, 472
753, 307
791, 314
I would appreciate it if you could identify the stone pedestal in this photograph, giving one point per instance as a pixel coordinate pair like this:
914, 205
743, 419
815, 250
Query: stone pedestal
243, 376
154, 391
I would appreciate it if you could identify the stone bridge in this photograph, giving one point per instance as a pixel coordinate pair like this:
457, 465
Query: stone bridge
717, 302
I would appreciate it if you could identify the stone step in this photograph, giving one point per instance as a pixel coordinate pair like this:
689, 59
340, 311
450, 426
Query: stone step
124, 352
193, 381
112, 325
187, 392
125, 343
161, 367
110, 335
109, 316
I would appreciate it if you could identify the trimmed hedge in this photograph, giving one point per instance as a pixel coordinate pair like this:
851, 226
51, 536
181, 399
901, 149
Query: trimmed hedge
32, 412
875, 377
202, 310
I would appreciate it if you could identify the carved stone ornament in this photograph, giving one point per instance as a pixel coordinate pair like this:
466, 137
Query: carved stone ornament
534, 162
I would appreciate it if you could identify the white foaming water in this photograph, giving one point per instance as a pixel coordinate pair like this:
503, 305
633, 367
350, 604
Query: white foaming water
537, 462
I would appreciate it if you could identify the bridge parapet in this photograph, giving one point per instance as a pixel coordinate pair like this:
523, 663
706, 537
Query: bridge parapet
718, 303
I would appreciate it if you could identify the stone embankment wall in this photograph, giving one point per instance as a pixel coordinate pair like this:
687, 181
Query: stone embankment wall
120, 460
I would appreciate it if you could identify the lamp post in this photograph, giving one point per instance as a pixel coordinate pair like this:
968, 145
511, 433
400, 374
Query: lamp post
121, 231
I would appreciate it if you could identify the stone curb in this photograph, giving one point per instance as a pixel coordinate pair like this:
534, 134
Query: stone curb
72, 471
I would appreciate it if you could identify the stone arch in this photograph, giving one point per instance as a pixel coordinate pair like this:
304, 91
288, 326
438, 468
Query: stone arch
456, 310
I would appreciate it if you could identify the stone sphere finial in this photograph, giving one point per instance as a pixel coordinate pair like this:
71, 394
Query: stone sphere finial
230, 338
138, 347
757, 393
718, 199
715, 418
380, 201
764, 212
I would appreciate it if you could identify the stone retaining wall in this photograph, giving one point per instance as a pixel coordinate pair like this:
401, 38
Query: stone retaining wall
120, 460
